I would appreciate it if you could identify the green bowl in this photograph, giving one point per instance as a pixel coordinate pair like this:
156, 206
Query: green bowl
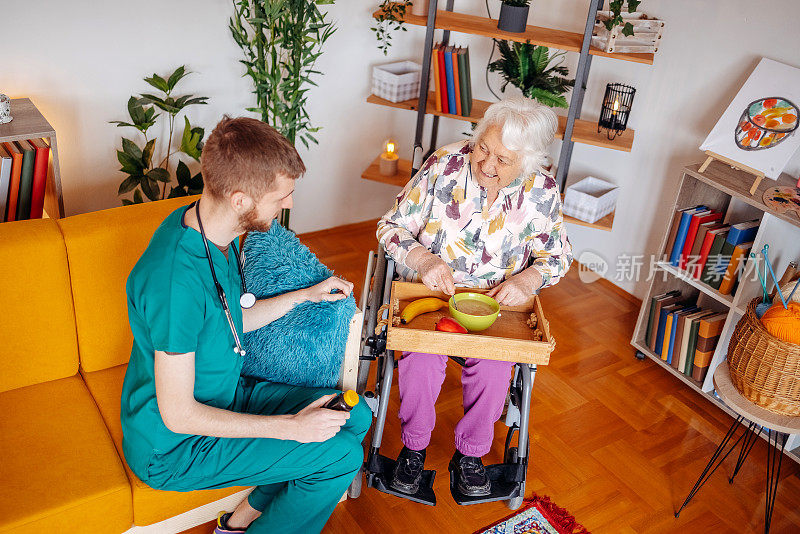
474, 323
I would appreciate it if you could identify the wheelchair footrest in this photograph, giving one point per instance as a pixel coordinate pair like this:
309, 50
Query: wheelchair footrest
501, 489
381, 479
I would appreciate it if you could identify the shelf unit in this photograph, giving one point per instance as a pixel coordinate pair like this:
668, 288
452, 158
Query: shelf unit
29, 123
726, 189
571, 128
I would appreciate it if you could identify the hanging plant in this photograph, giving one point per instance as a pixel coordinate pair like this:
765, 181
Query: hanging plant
616, 16
534, 71
390, 19
281, 41
152, 181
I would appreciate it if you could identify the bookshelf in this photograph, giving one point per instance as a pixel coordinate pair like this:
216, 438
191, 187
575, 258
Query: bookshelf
29, 123
571, 128
726, 189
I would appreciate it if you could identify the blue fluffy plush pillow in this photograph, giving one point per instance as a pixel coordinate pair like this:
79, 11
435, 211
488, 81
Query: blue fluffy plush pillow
305, 347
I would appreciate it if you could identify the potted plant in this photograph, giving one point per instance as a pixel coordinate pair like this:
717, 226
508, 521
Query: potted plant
389, 19
513, 15
137, 161
534, 71
281, 41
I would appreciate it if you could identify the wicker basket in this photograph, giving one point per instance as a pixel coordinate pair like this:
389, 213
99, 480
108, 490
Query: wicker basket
763, 368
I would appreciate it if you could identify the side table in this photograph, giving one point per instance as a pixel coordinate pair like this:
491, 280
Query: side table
757, 420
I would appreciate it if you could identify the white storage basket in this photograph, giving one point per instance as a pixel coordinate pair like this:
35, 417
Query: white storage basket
396, 82
590, 200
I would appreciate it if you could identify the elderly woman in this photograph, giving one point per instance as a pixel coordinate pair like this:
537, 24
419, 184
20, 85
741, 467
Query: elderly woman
480, 213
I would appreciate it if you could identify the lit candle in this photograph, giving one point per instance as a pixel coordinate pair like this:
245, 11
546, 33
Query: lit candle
389, 159
616, 107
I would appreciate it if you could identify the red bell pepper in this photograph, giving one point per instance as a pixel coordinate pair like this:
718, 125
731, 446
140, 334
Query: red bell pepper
448, 324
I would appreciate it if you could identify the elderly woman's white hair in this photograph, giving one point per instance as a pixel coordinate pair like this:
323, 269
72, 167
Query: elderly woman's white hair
526, 126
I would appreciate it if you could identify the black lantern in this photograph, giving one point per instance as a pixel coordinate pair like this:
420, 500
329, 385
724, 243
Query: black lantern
616, 108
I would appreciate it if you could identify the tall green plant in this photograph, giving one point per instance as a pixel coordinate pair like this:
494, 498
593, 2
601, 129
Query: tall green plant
137, 161
281, 41
534, 71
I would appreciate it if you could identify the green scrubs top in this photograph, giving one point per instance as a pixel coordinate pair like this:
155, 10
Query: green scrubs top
173, 306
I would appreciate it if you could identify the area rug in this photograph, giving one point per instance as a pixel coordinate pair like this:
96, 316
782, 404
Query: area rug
538, 515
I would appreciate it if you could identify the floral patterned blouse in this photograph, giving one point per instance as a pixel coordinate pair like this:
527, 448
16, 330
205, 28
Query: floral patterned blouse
445, 210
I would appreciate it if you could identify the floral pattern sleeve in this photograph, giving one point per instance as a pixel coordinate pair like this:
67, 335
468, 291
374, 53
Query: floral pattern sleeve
552, 251
399, 229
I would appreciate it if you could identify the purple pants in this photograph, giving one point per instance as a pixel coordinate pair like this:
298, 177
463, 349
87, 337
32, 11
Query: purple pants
484, 383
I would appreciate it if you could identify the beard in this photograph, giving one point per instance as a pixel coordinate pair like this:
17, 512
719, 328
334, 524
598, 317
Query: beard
249, 222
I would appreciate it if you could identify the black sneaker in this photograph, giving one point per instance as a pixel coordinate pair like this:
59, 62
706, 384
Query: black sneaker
408, 471
470, 475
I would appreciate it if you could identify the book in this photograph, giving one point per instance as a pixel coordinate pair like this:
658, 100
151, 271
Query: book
671, 298
680, 236
5, 181
437, 89
16, 171
673, 231
451, 90
462, 79
706, 248
456, 79
694, 254
40, 169
686, 338
468, 83
695, 222
663, 333
743, 232
668, 336
690, 349
443, 79
735, 266
708, 332
711, 270
25, 180
675, 349
652, 313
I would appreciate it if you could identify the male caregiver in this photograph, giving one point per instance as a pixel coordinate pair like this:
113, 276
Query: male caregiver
190, 421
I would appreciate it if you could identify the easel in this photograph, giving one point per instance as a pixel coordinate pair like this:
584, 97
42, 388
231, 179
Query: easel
713, 155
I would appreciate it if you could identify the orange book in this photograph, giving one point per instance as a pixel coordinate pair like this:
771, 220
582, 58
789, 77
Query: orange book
454, 53
738, 258
667, 332
436, 83
16, 172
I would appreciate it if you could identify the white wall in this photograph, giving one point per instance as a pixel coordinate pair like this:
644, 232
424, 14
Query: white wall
79, 61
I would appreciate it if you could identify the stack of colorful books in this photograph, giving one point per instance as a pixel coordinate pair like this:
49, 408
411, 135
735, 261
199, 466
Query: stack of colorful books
23, 174
452, 80
683, 334
707, 249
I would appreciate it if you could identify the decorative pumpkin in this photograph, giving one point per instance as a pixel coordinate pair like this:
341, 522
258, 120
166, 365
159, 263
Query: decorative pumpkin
783, 323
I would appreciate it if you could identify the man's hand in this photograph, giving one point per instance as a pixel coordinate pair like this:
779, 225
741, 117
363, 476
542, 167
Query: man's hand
436, 274
322, 291
315, 423
517, 289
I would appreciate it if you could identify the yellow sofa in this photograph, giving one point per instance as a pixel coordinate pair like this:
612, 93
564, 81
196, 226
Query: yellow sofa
64, 348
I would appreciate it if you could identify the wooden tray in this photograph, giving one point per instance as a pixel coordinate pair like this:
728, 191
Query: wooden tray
509, 339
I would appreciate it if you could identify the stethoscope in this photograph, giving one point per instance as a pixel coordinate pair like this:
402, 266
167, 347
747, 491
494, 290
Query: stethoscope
246, 301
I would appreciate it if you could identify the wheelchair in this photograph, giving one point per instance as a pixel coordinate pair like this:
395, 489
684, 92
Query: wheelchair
507, 478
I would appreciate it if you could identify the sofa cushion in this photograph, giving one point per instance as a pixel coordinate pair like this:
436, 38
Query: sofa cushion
37, 322
58, 466
102, 248
149, 505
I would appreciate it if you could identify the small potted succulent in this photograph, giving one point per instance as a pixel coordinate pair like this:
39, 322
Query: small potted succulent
513, 15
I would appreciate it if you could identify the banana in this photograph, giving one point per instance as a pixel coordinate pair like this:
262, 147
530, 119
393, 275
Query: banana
420, 306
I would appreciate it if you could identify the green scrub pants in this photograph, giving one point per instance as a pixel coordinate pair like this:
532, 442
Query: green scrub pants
297, 484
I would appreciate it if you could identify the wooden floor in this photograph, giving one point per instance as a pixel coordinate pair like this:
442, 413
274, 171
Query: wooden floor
616, 441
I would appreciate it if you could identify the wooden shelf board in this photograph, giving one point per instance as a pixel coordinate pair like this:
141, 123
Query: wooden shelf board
560, 39
737, 184
584, 132
727, 300
28, 123
400, 179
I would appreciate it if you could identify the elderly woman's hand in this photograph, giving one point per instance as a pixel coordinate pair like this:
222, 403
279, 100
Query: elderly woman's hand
517, 289
432, 270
